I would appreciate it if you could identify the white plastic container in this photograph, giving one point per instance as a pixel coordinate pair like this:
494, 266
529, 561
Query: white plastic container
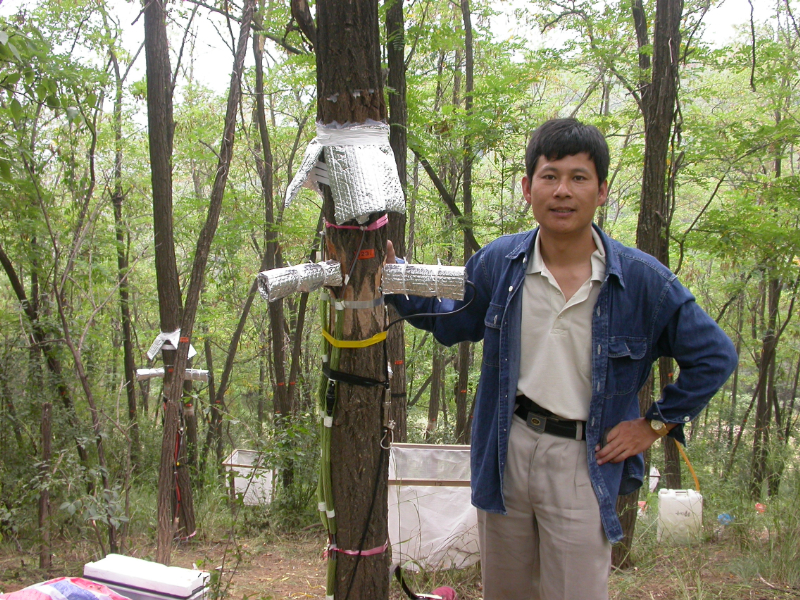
250, 478
680, 516
140, 579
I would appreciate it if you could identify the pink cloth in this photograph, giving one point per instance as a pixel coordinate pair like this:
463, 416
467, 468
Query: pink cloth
447, 593
64, 588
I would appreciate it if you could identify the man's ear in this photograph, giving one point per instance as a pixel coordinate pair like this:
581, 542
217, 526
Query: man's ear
603, 194
526, 189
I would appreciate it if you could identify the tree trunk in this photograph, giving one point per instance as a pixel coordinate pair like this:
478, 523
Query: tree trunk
672, 462
45, 553
117, 199
350, 90
627, 506
396, 231
214, 431
190, 423
657, 103
766, 364
174, 389
39, 343
461, 396
160, 130
437, 375
735, 386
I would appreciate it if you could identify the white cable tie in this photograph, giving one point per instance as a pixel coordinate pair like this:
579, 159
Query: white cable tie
325, 358
330, 597
321, 506
436, 278
330, 513
327, 421
403, 271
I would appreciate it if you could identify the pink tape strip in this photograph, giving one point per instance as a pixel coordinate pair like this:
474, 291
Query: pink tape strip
372, 552
371, 227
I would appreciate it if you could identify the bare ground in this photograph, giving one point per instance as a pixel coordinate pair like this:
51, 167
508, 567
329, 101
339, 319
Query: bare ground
291, 566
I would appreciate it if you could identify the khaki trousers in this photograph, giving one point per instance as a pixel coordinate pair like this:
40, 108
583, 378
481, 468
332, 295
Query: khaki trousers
551, 544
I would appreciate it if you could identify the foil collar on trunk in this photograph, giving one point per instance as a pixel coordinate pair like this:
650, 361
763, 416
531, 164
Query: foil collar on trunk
279, 283
425, 280
359, 167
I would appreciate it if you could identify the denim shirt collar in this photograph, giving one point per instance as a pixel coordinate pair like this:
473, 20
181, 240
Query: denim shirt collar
525, 247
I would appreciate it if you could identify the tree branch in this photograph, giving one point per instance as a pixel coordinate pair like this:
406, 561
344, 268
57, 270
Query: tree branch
448, 200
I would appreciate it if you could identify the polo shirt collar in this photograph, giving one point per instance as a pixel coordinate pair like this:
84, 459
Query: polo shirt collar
598, 258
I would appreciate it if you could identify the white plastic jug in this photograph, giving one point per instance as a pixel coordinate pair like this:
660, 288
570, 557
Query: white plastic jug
680, 516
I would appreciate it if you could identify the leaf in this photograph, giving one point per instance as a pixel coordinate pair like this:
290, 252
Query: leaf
91, 99
16, 109
5, 169
72, 112
14, 51
3, 37
11, 79
52, 102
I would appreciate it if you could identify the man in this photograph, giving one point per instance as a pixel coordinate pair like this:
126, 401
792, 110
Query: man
571, 322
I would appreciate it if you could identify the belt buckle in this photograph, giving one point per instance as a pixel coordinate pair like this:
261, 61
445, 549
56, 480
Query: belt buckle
536, 422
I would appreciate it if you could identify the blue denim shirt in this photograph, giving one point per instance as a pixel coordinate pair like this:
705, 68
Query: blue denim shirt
643, 312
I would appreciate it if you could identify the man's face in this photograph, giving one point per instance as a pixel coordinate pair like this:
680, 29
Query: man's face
564, 194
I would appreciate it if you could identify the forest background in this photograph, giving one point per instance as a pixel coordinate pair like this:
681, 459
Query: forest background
79, 302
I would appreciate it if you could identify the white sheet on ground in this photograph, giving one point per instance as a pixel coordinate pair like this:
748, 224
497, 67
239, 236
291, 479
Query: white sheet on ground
432, 524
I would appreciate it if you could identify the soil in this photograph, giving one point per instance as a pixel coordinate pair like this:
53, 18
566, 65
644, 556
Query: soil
292, 567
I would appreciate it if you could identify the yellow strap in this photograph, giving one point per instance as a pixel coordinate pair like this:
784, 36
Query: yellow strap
375, 339
688, 464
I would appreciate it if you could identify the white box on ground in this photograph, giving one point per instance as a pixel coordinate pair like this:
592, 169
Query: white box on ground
250, 478
680, 516
140, 579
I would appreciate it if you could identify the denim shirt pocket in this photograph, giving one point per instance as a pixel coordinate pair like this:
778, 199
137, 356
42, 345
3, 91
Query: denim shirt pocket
491, 336
625, 354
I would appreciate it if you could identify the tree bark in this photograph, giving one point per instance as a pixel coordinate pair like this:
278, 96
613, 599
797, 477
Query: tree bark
117, 199
461, 396
769, 343
45, 553
350, 90
396, 231
658, 97
435, 398
174, 389
160, 131
39, 342
672, 463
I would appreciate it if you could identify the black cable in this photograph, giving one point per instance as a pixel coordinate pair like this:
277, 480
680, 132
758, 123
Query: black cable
369, 515
444, 314
383, 450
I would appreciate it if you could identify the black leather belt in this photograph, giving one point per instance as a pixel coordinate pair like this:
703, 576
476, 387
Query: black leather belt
542, 420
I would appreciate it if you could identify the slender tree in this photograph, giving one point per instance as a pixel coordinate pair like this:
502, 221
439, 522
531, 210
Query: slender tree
658, 86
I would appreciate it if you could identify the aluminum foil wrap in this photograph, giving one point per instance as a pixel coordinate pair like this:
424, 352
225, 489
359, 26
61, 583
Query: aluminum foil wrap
191, 374
359, 167
425, 280
279, 283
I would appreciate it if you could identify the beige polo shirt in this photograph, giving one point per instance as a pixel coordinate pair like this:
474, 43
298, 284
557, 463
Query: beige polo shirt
555, 367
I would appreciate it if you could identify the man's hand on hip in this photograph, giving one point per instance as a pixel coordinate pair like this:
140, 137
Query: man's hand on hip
627, 439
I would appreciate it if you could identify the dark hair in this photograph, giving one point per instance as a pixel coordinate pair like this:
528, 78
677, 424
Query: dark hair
557, 138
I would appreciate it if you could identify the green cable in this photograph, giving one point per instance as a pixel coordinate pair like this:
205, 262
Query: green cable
324, 485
